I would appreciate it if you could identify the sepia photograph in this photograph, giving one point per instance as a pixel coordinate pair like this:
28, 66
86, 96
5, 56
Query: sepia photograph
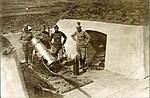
74, 48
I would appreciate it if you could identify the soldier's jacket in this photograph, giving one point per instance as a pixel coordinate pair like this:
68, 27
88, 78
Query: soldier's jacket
44, 37
81, 38
57, 39
26, 38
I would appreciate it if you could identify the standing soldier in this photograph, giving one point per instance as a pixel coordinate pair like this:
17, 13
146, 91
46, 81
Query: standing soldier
57, 45
25, 39
44, 37
82, 38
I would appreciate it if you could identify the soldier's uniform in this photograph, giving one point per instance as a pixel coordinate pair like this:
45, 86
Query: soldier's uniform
44, 38
82, 38
25, 39
57, 45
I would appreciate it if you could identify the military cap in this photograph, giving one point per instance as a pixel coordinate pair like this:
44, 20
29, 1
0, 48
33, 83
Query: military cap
56, 26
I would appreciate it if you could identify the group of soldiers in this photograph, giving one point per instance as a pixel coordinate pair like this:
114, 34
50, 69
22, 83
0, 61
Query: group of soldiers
56, 46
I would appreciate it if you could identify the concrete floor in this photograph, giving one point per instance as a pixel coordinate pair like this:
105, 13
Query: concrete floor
108, 84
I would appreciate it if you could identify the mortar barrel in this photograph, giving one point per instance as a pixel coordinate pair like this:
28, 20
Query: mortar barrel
42, 50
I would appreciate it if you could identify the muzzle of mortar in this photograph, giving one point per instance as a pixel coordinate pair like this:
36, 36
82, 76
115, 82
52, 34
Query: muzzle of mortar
49, 61
43, 51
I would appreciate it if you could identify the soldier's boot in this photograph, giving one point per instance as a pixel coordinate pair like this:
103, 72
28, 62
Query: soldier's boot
30, 58
88, 67
83, 65
26, 59
80, 63
76, 66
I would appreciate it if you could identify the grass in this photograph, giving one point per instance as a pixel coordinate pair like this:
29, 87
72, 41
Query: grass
131, 12
116, 11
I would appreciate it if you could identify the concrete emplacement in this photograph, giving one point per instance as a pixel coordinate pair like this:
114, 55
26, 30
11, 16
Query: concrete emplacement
127, 50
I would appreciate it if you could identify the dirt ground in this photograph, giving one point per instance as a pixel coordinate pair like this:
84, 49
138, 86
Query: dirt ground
132, 12
32, 82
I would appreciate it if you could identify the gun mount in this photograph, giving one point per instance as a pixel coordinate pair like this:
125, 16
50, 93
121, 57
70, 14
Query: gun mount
49, 61
62, 79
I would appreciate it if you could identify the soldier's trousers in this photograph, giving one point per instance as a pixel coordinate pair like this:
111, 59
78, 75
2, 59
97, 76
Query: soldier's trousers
82, 54
28, 53
57, 52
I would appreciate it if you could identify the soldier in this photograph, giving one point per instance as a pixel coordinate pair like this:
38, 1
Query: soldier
82, 38
44, 37
25, 39
57, 45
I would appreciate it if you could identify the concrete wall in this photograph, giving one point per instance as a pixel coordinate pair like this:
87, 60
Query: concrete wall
12, 82
146, 49
124, 48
